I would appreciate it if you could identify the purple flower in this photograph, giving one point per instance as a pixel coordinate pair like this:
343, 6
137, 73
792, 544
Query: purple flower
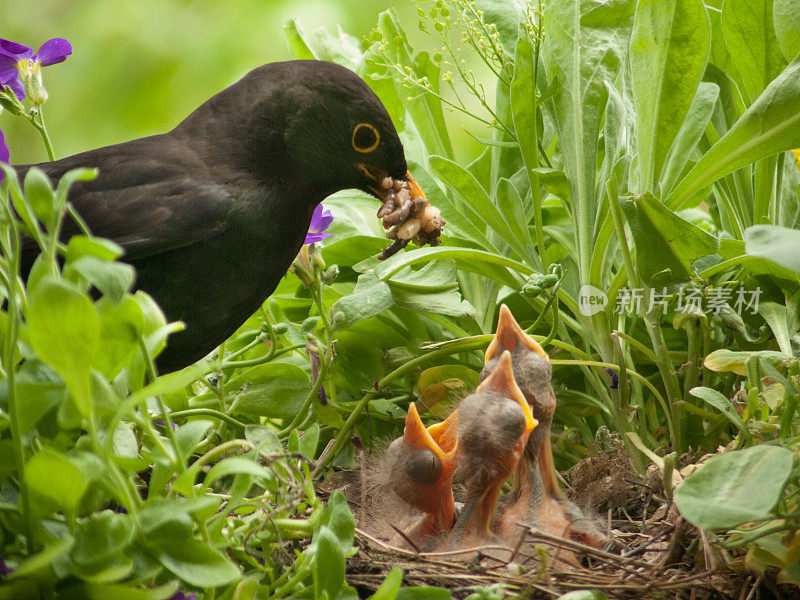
21, 69
614, 378
5, 154
320, 221
4, 568
181, 595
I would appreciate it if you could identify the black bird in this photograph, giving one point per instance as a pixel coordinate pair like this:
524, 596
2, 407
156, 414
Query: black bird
212, 213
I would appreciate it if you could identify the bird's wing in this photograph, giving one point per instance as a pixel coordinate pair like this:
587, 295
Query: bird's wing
148, 198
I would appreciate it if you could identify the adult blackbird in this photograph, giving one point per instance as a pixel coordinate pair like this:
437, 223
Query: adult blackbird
212, 213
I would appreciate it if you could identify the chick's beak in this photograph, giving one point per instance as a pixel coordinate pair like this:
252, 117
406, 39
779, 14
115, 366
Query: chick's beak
509, 334
502, 382
416, 436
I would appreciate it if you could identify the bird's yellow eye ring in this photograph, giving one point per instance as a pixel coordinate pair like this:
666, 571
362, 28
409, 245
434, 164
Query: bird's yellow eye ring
365, 138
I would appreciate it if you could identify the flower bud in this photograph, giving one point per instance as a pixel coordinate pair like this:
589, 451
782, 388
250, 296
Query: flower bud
30, 74
9, 101
329, 276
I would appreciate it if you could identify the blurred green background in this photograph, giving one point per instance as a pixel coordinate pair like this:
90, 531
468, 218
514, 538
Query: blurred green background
140, 66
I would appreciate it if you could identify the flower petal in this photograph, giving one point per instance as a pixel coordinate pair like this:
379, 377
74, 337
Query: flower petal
54, 51
314, 236
14, 50
5, 156
16, 87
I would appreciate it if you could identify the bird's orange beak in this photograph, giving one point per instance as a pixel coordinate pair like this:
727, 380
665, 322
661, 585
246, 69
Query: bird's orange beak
501, 380
413, 186
417, 437
445, 434
509, 334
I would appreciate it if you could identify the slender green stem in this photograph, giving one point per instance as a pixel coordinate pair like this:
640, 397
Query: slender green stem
42, 129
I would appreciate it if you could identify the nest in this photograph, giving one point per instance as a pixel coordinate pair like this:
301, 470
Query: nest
655, 553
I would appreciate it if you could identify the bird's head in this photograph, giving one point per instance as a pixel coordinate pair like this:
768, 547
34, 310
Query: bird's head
338, 133
532, 368
422, 461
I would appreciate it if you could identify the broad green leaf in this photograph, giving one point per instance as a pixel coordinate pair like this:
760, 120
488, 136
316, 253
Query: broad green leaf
666, 245
786, 19
776, 317
448, 303
328, 569
196, 563
40, 393
102, 535
689, 135
190, 434
42, 562
105, 591
505, 15
483, 263
584, 49
722, 404
57, 478
342, 49
735, 487
278, 393
336, 516
670, 42
780, 245
770, 125
370, 297
80, 246
121, 324
750, 37
64, 332
39, 191
113, 279
436, 276
724, 360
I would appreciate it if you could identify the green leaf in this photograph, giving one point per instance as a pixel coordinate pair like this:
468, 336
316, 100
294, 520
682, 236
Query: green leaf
447, 303
121, 324
104, 591
666, 245
477, 261
689, 135
670, 42
369, 298
584, 50
64, 331
190, 434
338, 518
113, 279
39, 191
779, 245
80, 246
42, 562
722, 404
236, 465
295, 38
770, 125
750, 37
426, 109
735, 487
55, 477
724, 360
277, 391
390, 586
786, 19
472, 201
328, 569
39, 392
505, 15
100, 536
196, 563
436, 276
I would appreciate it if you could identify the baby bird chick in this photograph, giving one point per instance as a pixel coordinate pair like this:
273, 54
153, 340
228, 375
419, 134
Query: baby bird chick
420, 469
537, 498
494, 425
